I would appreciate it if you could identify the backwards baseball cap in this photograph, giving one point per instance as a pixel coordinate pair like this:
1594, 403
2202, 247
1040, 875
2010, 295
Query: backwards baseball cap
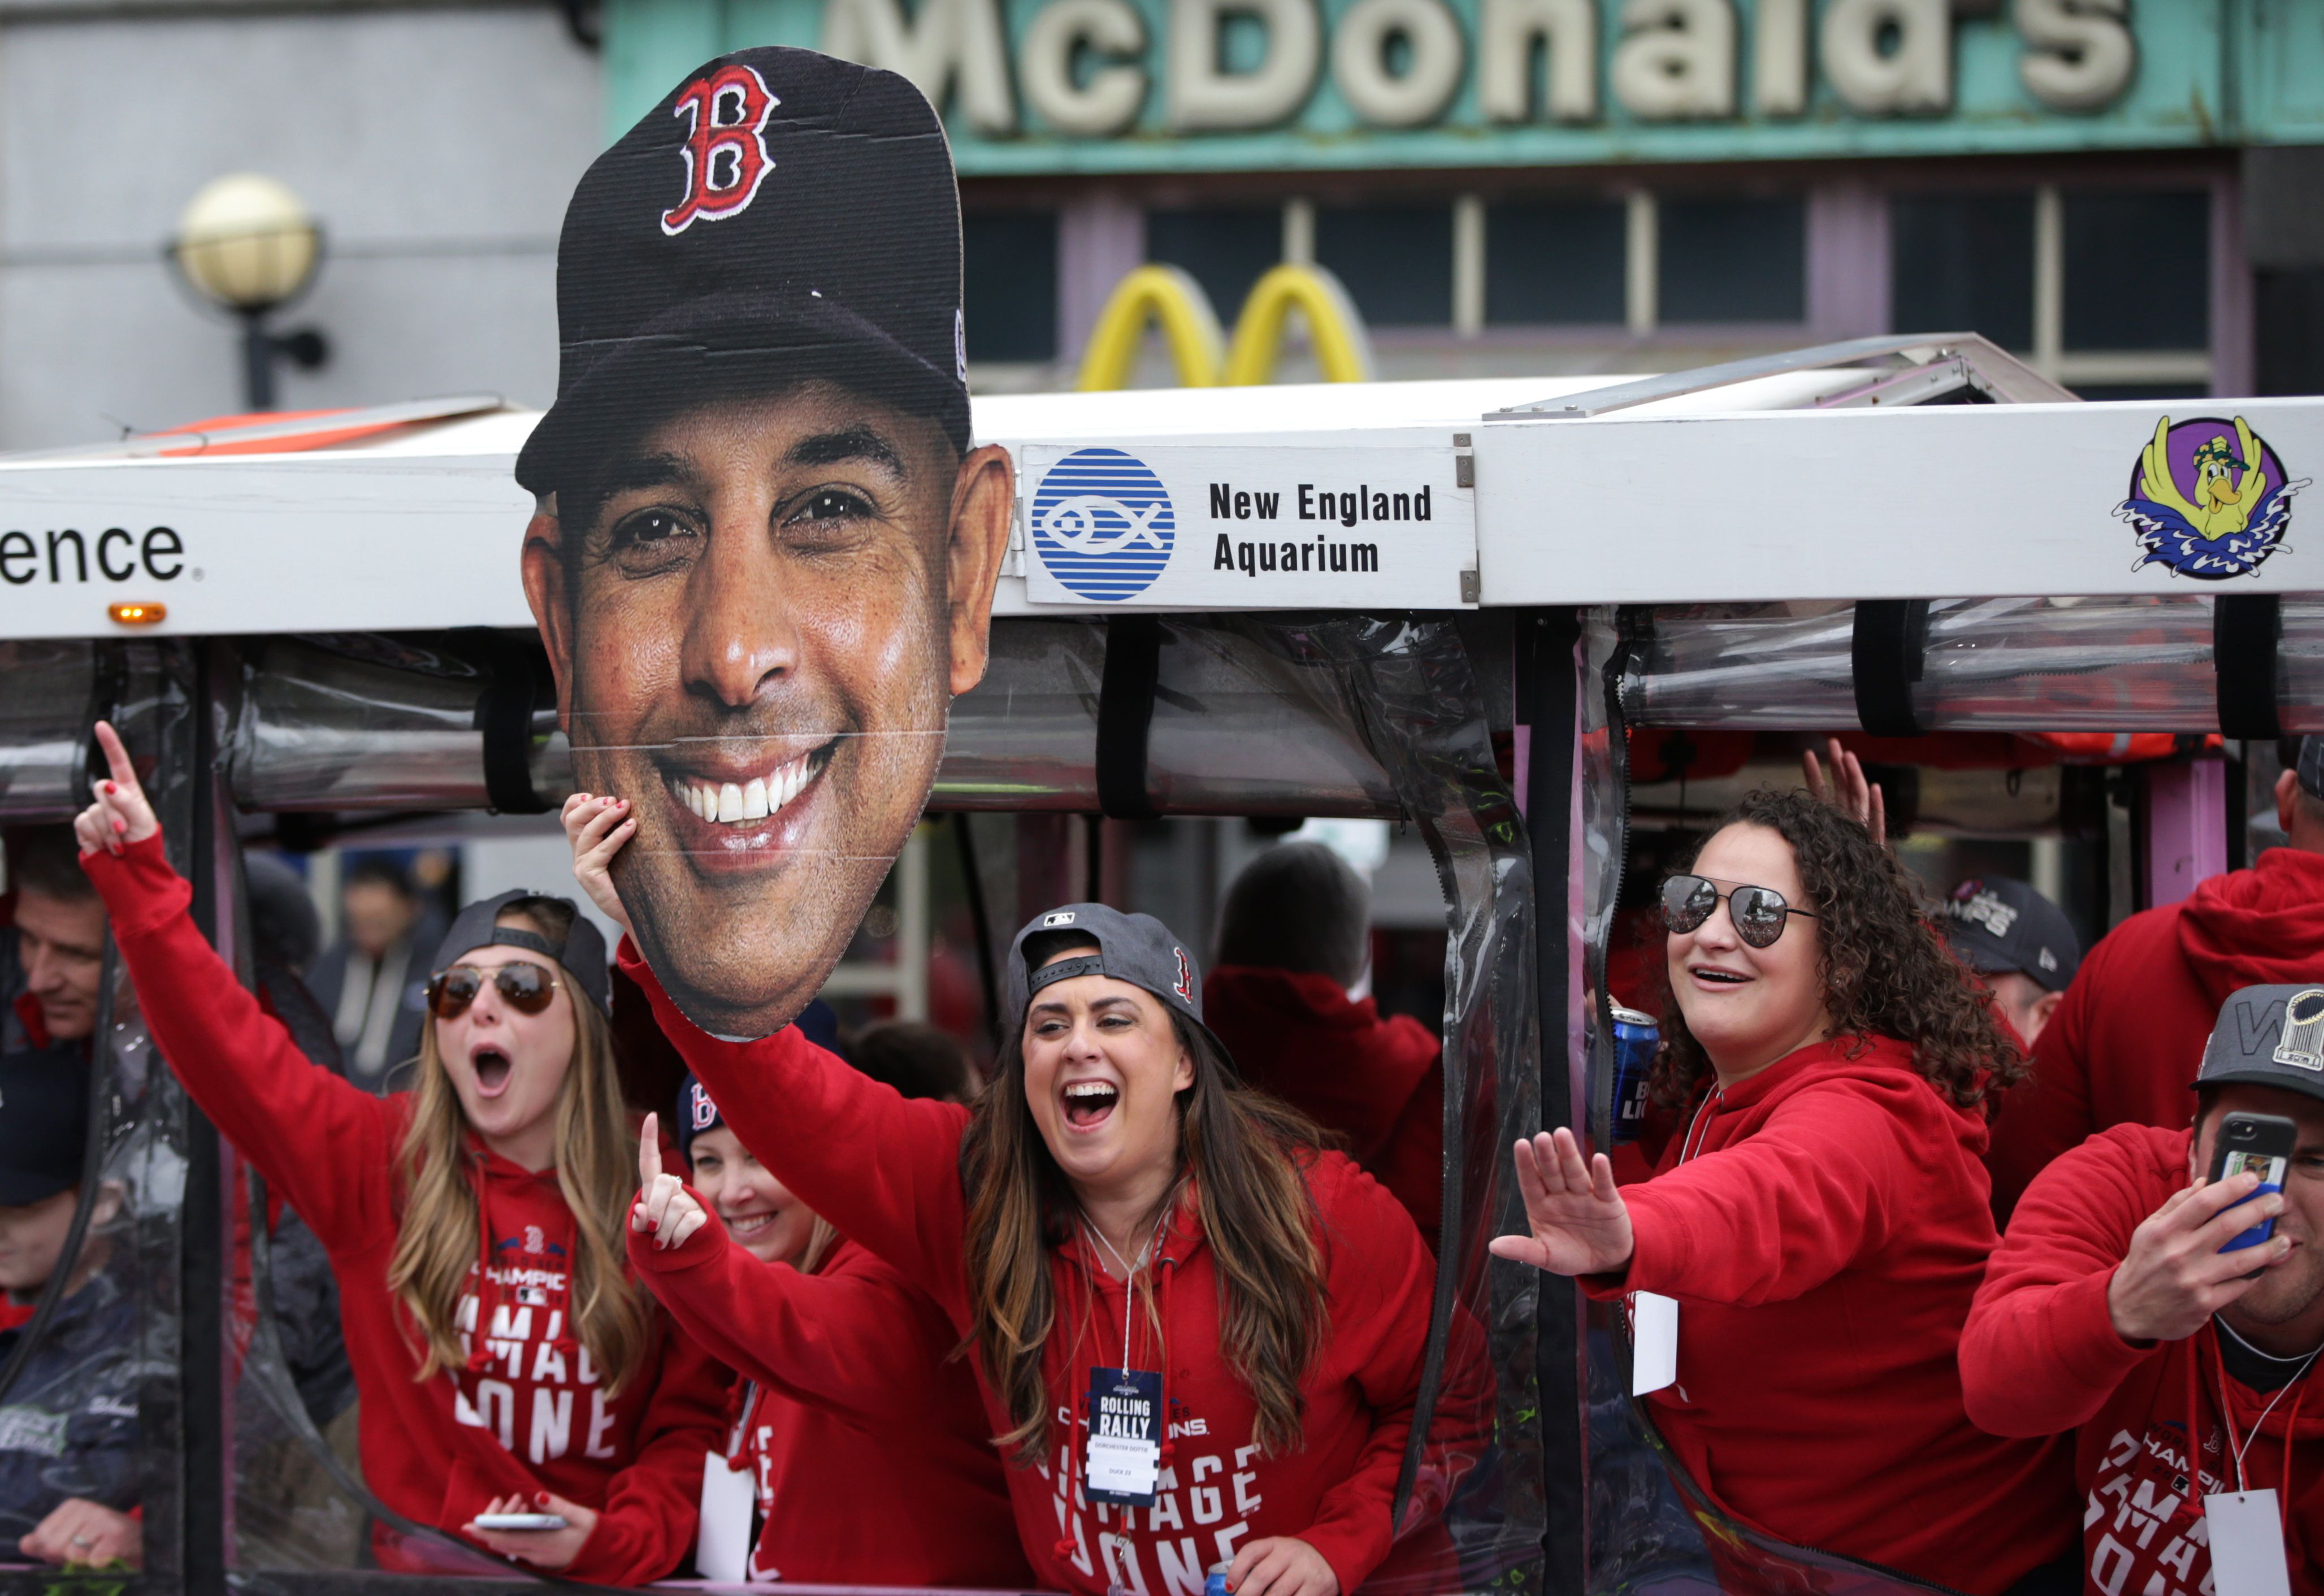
43, 1123
1998, 924
2268, 1036
581, 956
2311, 766
780, 216
1137, 948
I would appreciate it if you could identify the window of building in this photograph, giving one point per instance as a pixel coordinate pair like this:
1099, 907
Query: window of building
1963, 262
1554, 263
1224, 250
1009, 273
1732, 260
1395, 260
2137, 271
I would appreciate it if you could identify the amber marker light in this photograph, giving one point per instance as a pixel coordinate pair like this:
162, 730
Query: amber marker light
139, 615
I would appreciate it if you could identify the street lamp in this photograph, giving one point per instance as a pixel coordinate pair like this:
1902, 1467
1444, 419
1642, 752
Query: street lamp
248, 246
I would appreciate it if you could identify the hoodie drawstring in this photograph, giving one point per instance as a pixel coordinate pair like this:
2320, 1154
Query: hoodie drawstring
480, 1350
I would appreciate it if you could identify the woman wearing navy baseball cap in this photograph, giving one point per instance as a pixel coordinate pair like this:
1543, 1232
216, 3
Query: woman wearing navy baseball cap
847, 1399
1199, 1336
507, 1361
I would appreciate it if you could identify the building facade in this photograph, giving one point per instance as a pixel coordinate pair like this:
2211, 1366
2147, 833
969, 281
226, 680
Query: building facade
1509, 186
437, 147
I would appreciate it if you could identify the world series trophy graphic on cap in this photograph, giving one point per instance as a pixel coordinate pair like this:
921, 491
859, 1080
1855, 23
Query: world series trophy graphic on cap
763, 553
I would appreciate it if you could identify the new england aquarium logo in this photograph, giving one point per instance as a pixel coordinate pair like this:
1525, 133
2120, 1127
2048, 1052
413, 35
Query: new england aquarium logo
1103, 525
2209, 498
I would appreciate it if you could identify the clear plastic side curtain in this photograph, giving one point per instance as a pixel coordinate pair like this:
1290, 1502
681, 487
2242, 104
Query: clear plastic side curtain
1414, 697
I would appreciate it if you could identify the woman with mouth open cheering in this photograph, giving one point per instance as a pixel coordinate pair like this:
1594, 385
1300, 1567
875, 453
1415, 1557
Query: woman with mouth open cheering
506, 1360
1821, 1219
1198, 1336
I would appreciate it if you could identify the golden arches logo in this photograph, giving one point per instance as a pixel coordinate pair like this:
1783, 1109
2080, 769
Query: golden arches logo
1168, 297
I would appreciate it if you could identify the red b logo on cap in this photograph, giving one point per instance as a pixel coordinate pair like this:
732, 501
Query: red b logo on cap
725, 153
1184, 986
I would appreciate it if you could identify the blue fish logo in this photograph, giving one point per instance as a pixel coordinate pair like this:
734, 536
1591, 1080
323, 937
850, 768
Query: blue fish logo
1102, 524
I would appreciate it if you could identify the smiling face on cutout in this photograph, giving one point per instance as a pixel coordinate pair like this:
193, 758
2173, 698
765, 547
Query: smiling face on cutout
1749, 1006
1103, 1068
757, 1209
507, 1067
758, 621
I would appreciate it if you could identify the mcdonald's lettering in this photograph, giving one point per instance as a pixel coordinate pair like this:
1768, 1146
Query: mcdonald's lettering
1309, 555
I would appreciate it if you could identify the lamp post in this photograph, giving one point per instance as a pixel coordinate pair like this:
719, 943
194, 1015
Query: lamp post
247, 246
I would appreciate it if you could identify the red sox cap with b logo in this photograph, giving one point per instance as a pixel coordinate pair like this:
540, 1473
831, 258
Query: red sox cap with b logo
779, 217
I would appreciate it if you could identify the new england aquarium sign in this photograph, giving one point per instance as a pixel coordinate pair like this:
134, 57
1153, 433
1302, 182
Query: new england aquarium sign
1096, 86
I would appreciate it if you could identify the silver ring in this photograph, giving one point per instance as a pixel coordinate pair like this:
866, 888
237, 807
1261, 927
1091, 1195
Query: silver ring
83, 1542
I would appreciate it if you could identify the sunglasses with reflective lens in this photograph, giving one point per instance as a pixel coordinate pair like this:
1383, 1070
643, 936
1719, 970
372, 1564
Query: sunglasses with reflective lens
1758, 913
525, 987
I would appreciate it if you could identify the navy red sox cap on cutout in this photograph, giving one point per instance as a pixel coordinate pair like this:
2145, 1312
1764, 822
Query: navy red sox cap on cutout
779, 217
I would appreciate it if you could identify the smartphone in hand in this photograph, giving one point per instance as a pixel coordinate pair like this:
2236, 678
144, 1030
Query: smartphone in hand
2262, 1144
528, 1520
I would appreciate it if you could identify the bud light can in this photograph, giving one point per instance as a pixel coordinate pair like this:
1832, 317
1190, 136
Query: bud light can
1635, 1039
1216, 1585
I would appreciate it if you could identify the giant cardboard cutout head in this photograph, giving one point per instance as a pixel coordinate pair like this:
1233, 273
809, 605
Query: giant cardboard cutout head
764, 554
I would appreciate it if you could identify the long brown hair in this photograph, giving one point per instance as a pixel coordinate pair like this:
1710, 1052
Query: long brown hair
1243, 1153
1884, 967
596, 1171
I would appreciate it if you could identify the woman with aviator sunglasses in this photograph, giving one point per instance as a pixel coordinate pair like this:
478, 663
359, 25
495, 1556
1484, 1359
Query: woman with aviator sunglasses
1820, 1214
506, 1359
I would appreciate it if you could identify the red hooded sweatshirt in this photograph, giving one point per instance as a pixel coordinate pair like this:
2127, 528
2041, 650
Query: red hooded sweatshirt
1823, 1224
1378, 1081
856, 1404
2123, 1046
529, 1412
886, 1170
2040, 1356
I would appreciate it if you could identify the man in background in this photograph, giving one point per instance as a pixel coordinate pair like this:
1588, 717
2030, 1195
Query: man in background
54, 981
68, 1424
2019, 943
1283, 995
372, 981
2143, 1002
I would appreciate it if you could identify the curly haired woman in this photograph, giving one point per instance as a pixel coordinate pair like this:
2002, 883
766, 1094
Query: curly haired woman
1821, 1219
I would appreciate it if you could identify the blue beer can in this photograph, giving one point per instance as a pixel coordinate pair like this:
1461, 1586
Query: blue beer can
1635, 1039
1216, 1585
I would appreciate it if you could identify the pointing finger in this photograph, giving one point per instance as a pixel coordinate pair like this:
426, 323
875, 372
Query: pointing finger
116, 757
649, 1151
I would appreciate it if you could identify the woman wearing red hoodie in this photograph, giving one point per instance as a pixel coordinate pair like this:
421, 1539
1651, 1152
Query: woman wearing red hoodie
1198, 1336
849, 1400
1821, 1219
505, 1359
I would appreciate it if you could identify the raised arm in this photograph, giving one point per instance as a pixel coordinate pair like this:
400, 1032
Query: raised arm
884, 1168
324, 1145
854, 1342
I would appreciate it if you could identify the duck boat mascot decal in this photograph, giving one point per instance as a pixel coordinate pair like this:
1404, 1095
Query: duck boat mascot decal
2209, 498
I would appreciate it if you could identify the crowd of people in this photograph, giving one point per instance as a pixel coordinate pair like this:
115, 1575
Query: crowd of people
1956, 1253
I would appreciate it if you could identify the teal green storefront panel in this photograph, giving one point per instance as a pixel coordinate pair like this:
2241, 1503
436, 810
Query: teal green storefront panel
2207, 72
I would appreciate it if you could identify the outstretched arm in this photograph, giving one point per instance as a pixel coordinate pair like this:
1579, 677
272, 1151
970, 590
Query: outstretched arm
885, 1170
234, 1060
